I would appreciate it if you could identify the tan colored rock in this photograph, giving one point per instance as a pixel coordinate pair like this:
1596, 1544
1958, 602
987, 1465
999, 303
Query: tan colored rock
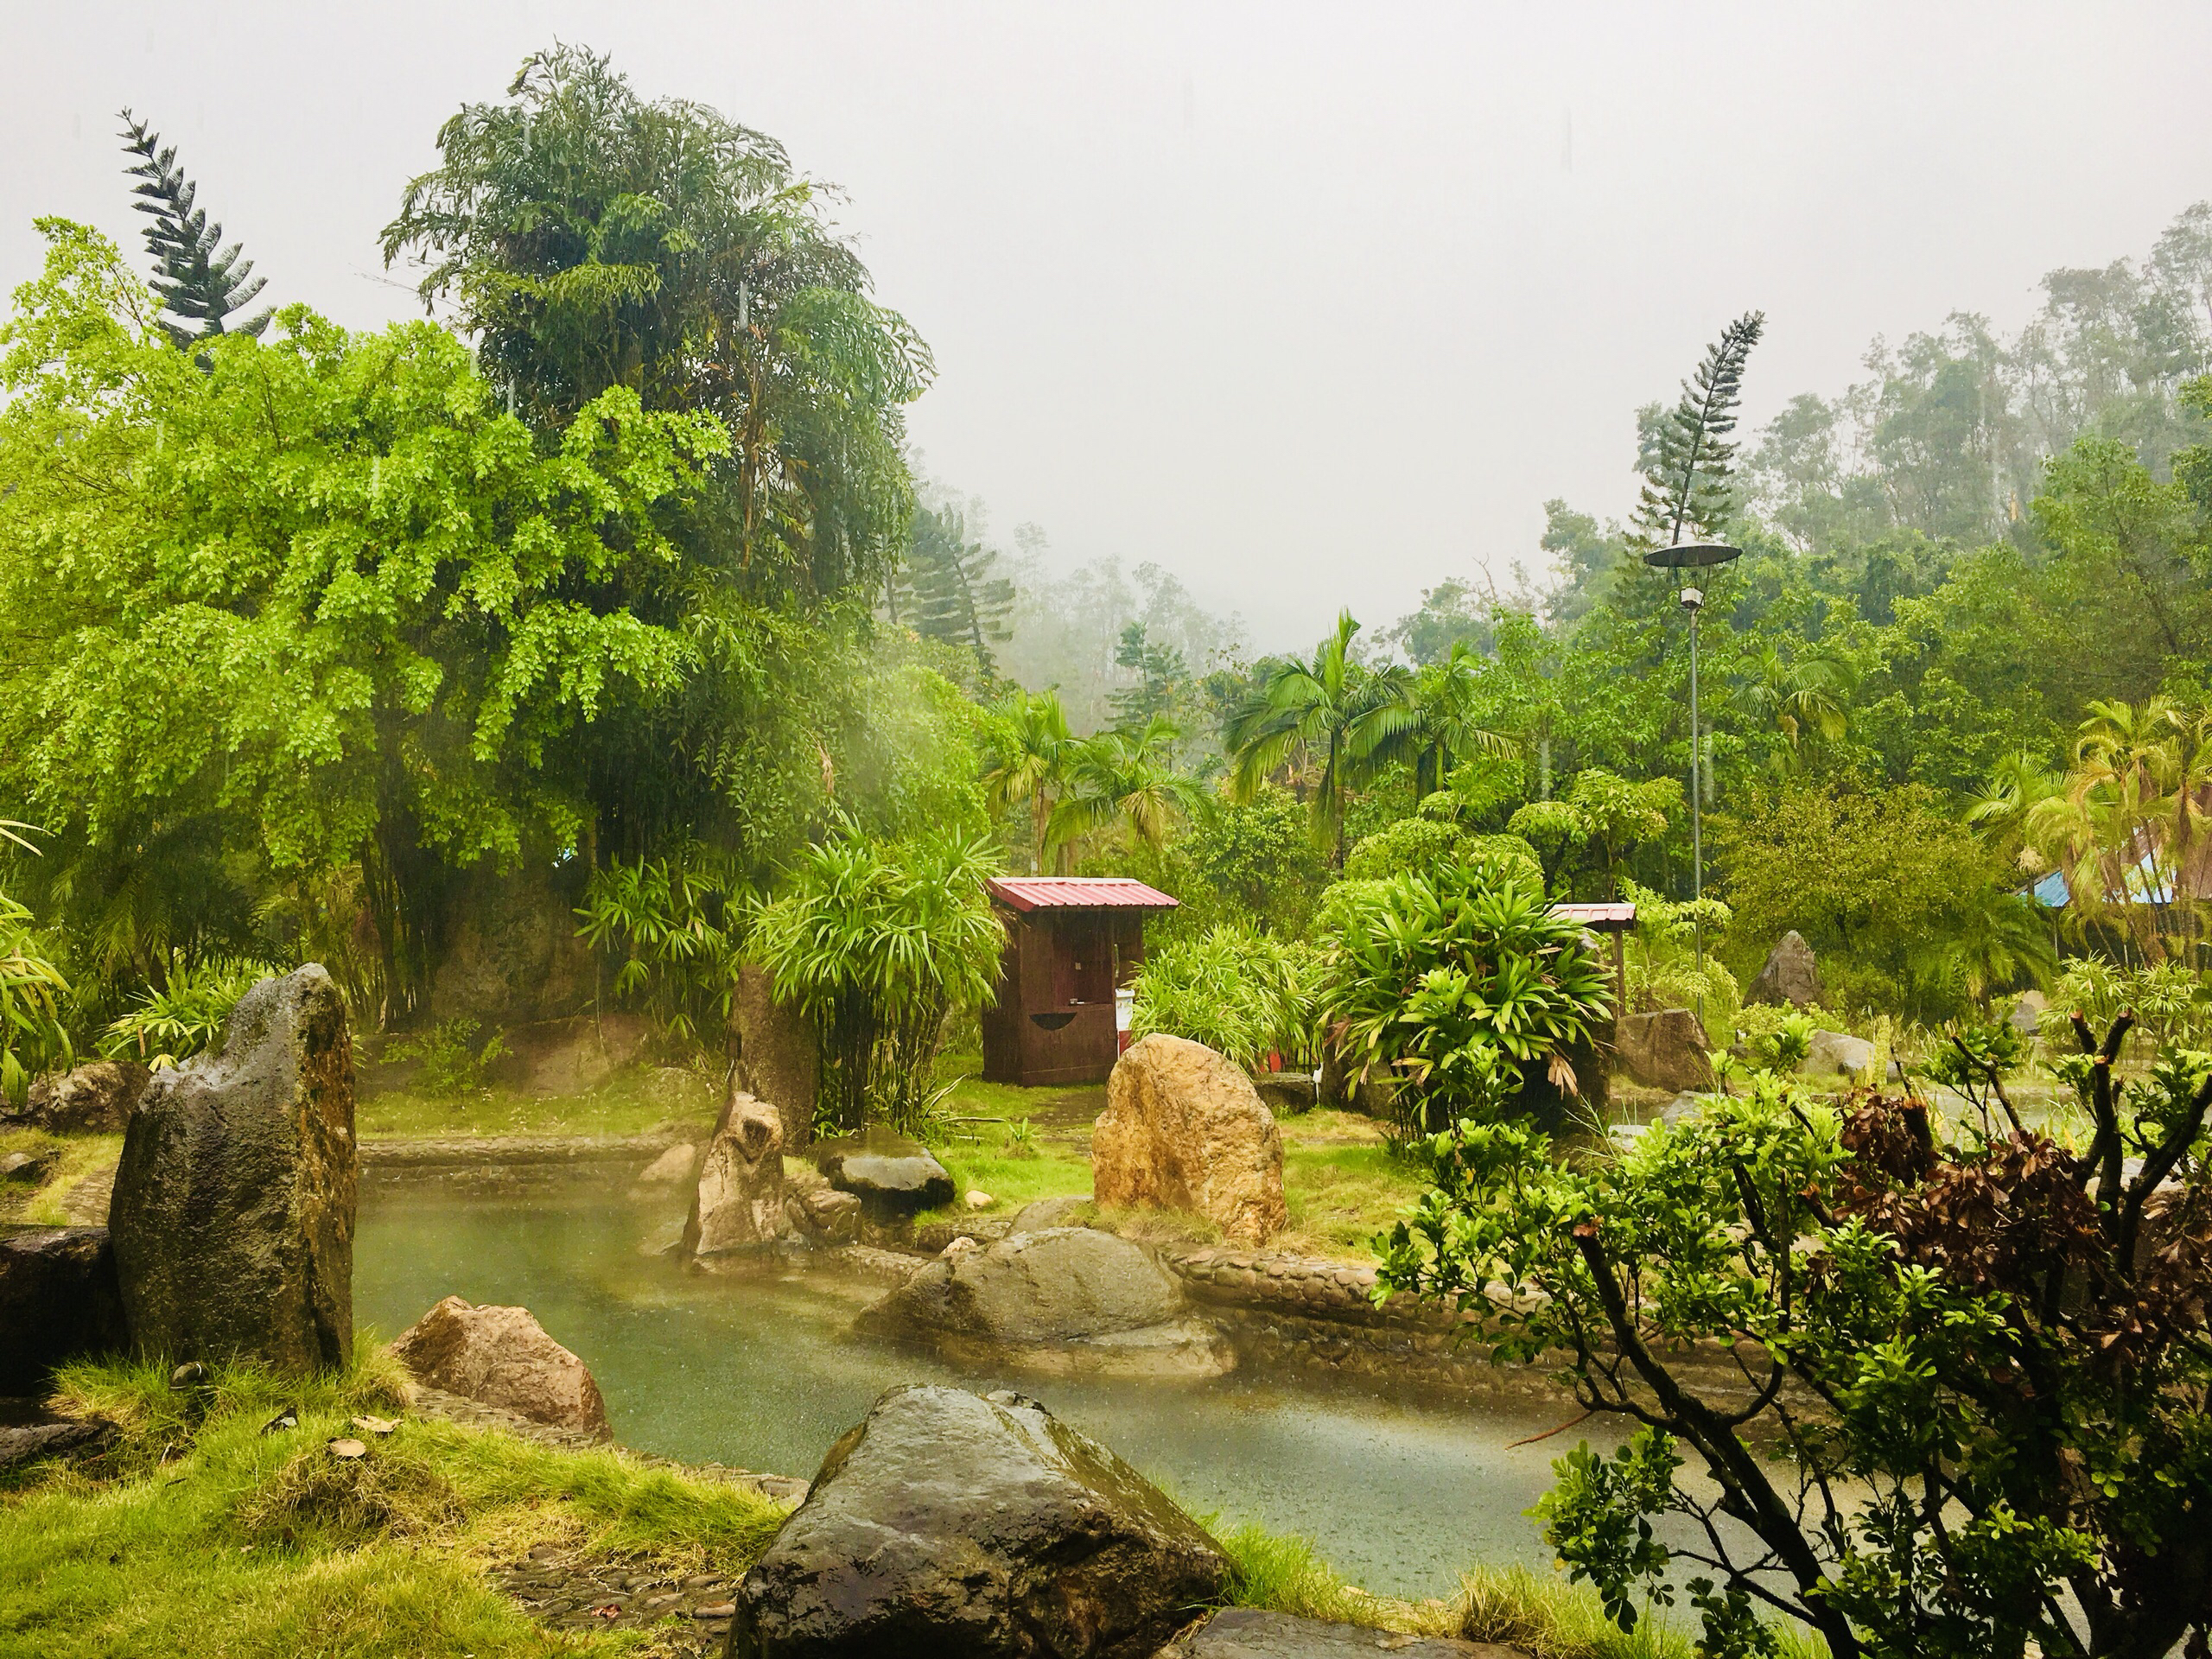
1184, 1129
739, 1200
502, 1357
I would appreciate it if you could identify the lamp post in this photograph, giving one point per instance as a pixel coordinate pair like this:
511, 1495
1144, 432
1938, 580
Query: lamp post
1694, 555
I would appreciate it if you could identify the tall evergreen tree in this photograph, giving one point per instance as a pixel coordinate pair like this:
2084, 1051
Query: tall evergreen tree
947, 591
1688, 466
1162, 678
197, 278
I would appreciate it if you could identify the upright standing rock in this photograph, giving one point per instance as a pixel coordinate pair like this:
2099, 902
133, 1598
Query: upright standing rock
1666, 1050
1184, 1129
740, 1201
777, 1059
234, 1208
1790, 974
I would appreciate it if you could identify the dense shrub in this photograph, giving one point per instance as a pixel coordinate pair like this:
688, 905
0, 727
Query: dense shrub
1459, 983
1968, 1418
1243, 994
173, 1023
878, 942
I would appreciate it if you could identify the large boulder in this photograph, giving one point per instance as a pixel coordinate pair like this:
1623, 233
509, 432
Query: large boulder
893, 1177
58, 1300
1666, 1050
233, 1205
1831, 1054
738, 1204
1061, 1302
1184, 1129
96, 1098
502, 1357
778, 1058
1790, 974
951, 1523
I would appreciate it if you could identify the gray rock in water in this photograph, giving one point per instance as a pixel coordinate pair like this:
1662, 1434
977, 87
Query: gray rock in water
1062, 1211
1790, 974
1248, 1633
1666, 1050
893, 1177
947, 1523
1065, 1300
2028, 1011
94, 1099
1681, 1108
777, 1059
58, 1301
233, 1207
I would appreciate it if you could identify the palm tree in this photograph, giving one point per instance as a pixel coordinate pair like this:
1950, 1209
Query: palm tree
1326, 715
1027, 761
1127, 777
1807, 693
1436, 727
2128, 816
1999, 811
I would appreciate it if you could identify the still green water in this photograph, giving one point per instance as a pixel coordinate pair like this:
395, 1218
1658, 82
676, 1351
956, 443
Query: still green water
762, 1372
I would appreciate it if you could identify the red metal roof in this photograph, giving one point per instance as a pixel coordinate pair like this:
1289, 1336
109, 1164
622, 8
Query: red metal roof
1026, 892
1606, 919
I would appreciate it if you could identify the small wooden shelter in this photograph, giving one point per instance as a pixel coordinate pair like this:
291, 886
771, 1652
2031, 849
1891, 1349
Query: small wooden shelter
1615, 919
1071, 942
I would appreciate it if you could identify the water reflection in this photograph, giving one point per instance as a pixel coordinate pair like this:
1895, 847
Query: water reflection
762, 1372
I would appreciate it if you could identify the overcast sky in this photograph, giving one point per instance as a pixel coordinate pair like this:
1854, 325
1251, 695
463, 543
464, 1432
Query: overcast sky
1313, 304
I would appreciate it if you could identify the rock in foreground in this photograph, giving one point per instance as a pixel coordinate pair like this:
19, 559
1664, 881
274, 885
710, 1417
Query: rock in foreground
502, 1357
1666, 1050
947, 1524
58, 1300
1065, 1300
1248, 1633
740, 1201
893, 1177
1184, 1129
234, 1206
91, 1099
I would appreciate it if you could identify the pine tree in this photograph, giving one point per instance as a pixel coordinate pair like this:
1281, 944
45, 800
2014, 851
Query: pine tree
948, 589
1687, 465
195, 281
1162, 676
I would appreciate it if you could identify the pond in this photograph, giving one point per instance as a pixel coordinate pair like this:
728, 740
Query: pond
762, 1371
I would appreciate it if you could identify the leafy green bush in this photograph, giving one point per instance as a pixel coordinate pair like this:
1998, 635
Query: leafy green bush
673, 918
877, 942
1415, 844
169, 1026
1662, 957
1461, 984
2171, 1002
1241, 993
454, 1063
32, 1036
1969, 1416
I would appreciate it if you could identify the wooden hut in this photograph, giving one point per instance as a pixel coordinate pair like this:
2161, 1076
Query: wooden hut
1071, 942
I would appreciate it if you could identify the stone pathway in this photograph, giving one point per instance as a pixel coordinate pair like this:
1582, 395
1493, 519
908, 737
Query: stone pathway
690, 1616
1247, 1633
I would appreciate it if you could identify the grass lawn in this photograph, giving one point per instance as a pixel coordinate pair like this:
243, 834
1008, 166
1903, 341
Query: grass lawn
76, 1156
198, 1533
